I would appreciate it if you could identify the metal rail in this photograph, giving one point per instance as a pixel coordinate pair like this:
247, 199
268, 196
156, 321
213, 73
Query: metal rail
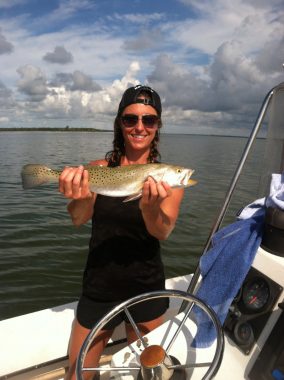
192, 286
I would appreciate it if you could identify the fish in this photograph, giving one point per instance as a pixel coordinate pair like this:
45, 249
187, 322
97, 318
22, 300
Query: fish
120, 181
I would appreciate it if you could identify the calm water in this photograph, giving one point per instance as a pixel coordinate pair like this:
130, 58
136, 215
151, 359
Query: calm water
42, 255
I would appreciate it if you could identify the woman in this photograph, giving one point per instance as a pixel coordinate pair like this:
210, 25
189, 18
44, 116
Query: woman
124, 254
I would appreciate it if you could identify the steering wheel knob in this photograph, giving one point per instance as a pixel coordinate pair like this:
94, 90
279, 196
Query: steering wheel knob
154, 363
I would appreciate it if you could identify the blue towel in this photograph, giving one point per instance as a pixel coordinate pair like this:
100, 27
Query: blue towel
223, 269
274, 199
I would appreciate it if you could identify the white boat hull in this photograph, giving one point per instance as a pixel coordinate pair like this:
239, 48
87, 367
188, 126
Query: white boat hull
38, 340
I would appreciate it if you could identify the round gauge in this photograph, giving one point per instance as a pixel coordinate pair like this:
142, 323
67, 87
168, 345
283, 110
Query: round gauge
243, 333
256, 294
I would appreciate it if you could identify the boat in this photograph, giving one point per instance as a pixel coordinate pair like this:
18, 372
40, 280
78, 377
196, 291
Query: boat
248, 344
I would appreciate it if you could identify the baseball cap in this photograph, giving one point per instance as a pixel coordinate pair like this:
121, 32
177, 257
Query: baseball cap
131, 95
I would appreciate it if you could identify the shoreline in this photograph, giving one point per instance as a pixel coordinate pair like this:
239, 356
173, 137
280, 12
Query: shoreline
69, 129
43, 129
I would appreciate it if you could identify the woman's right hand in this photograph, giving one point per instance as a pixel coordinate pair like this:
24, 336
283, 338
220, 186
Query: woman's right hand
74, 183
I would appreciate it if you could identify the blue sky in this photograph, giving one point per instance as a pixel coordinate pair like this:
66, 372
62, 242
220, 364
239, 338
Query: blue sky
67, 62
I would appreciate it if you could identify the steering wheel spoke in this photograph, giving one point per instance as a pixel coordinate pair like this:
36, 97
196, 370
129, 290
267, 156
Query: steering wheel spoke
135, 328
109, 369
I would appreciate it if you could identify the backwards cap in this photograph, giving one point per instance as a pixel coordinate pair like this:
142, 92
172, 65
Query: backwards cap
131, 96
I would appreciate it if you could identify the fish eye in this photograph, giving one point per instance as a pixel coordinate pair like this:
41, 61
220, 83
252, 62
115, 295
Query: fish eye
179, 170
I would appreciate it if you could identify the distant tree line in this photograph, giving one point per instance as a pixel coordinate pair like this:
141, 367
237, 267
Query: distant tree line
66, 129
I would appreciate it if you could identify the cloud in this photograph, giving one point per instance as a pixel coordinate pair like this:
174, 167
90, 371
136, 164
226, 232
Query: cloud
83, 82
60, 55
218, 59
11, 3
78, 81
178, 86
4, 119
5, 46
271, 63
5, 96
230, 92
144, 41
221, 21
33, 83
138, 18
58, 99
66, 10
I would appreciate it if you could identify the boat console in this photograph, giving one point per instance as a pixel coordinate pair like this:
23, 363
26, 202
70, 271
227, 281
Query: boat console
251, 309
255, 301
255, 323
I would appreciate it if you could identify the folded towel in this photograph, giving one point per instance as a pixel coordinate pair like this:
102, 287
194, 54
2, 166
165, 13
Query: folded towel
276, 196
223, 269
274, 199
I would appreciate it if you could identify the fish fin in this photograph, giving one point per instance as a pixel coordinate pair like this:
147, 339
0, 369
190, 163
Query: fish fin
133, 197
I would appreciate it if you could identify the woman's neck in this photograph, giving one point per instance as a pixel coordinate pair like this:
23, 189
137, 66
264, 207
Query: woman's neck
137, 158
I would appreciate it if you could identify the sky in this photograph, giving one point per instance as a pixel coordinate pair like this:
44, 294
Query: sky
67, 62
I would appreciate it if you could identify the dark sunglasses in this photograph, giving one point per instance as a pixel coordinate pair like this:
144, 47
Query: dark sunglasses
130, 120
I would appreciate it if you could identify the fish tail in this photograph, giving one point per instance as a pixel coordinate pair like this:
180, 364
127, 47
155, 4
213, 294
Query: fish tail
34, 175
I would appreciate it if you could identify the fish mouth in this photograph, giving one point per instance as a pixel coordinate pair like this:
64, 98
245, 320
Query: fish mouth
186, 181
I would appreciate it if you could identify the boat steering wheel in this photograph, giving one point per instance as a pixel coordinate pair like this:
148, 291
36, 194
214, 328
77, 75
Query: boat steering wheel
154, 359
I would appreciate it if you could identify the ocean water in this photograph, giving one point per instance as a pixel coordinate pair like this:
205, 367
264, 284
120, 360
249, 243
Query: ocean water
42, 254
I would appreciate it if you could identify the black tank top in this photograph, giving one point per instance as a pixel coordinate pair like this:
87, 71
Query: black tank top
124, 259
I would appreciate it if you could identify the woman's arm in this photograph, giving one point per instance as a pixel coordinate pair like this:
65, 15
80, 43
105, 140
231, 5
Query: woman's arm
81, 210
74, 184
160, 207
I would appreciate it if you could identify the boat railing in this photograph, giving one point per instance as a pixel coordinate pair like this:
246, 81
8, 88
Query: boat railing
220, 217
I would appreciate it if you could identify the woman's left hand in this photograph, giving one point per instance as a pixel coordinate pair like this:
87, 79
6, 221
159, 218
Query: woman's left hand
153, 193
159, 205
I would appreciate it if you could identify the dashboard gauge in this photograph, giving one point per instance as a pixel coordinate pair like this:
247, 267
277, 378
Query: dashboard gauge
256, 294
243, 333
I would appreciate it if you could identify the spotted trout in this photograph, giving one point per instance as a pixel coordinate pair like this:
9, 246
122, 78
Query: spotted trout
119, 181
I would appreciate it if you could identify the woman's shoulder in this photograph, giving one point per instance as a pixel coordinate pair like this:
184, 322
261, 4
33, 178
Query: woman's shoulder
102, 162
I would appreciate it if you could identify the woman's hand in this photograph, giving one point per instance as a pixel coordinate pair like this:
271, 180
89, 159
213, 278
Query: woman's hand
153, 193
160, 207
74, 183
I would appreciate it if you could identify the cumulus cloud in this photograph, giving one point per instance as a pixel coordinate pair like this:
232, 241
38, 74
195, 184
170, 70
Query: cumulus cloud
271, 63
77, 81
62, 102
178, 85
5, 46
32, 83
219, 59
232, 90
60, 99
60, 55
83, 82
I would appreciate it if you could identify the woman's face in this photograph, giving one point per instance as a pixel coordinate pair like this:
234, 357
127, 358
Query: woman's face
139, 136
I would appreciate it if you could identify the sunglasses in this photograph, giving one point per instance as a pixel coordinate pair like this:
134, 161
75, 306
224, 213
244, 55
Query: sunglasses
130, 120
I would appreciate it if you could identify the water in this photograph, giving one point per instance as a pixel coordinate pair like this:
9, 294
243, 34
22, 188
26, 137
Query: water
43, 255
